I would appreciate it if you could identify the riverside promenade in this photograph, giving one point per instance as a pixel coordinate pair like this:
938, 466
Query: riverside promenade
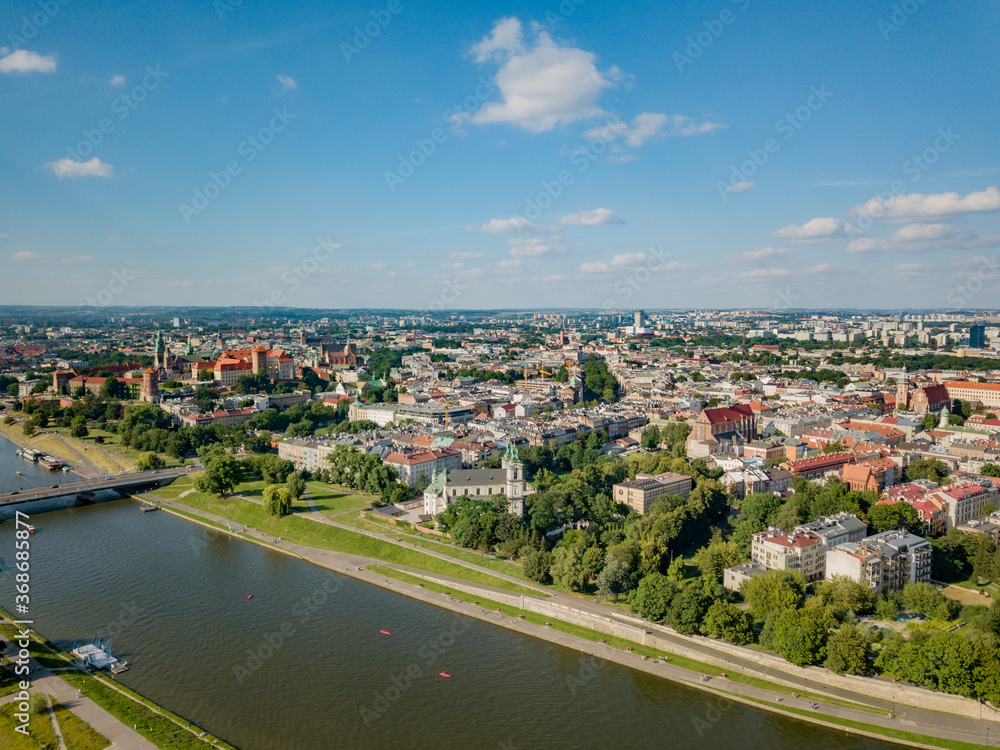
910, 719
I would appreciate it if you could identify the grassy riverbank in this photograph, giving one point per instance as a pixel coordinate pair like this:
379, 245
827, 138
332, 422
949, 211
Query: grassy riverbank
163, 728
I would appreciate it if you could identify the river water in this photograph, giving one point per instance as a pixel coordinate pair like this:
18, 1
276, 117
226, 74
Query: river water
303, 665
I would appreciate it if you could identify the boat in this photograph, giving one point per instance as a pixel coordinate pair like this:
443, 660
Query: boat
31, 529
18, 474
145, 508
385, 632
250, 597
444, 674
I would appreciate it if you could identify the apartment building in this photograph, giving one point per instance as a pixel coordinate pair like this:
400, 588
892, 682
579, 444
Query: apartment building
640, 493
883, 562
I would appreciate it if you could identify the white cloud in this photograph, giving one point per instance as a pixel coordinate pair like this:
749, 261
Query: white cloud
863, 245
453, 266
26, 255
651, 125
287, 82
513, 225
925, 207
467, 255
23, 61
590, 218
506, 39
411, 264
925, 238
813, 232
66, 168
764, 273
542, 84
378, 266
117, 81
533, 247
510, 263
741, 187
751, 257
597, 266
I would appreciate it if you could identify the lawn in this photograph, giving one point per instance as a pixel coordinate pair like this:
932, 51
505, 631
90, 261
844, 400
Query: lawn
79, 735
159, 730
333, 501
40, 734
300, 530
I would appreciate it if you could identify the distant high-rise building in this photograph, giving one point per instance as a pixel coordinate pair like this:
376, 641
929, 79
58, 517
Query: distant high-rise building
640, 319
977, 336
177, 322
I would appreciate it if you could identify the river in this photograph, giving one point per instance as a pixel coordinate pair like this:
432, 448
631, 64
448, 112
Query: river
303, 665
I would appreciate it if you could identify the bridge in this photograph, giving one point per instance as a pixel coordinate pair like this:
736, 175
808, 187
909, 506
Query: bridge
86, 488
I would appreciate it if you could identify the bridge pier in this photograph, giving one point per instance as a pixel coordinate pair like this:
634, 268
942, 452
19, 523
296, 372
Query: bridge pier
86, 497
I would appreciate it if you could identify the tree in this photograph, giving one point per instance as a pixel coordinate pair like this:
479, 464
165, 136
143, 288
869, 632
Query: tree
799, 635
593, 561
78, 427
844, 595
990, 470
206, 374
567, 567
716, 556
614, 578
148, 460
773, 592
28, 429
886, 516
848, 651
926, 468
652, 597
650, 439
724, 620
537, 564
277, 500
295, 485
220, 477
687, 610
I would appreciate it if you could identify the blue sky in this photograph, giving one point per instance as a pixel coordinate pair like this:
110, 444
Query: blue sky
527, 154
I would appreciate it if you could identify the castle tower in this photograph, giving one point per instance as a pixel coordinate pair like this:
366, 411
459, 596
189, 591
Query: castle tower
150, 389
515, 480
902, 391
945, 419
159, 351
259, 360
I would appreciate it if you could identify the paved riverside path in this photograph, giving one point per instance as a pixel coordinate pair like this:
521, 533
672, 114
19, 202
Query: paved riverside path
121, 736
910, 719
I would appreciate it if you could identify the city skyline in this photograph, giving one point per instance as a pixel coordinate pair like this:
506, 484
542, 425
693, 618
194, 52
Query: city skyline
725, 155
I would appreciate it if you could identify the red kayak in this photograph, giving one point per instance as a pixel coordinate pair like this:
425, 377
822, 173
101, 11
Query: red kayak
385, 632
444, 674
250, 597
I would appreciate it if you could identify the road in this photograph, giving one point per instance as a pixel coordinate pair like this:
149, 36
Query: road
909, 719
119, 481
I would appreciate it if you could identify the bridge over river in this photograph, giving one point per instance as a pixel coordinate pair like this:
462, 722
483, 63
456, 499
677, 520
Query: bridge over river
86, 488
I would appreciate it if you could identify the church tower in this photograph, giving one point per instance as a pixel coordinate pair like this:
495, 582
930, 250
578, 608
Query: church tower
902, 391
515, 480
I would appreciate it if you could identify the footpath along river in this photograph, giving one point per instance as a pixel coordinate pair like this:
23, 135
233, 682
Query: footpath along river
303, 665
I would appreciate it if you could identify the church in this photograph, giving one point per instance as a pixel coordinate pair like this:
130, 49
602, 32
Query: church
452, 484
922, 398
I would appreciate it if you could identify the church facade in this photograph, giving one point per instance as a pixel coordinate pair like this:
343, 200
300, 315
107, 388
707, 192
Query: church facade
452, 484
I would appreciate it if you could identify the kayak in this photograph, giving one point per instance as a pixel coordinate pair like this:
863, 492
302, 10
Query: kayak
444, 674
385, 632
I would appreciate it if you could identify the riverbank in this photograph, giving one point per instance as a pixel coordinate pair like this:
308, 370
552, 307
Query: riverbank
84, 461
859, 714
107, 706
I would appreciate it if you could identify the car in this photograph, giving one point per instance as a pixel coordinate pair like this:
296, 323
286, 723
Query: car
55, 486
14, 492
